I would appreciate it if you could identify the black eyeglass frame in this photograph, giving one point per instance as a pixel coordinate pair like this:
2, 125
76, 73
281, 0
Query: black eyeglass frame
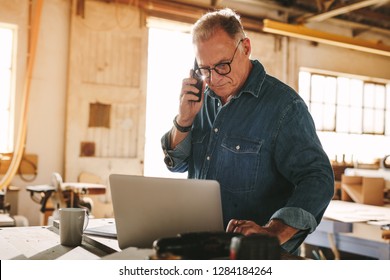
199, 70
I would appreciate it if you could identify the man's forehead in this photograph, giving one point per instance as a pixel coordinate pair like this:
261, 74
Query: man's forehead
212, 52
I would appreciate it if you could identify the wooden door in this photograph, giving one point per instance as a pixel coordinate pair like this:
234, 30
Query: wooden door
105, 123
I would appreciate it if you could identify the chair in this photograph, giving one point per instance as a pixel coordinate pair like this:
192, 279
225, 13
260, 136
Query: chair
365, 190
70, 194
60, 194
102, 205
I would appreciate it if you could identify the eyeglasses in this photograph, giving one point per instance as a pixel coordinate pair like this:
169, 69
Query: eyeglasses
221, 68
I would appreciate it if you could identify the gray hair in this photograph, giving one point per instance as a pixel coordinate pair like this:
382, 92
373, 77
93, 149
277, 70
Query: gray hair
225, 19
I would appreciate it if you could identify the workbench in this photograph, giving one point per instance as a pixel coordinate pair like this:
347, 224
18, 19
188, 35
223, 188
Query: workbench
353, 229
43, 243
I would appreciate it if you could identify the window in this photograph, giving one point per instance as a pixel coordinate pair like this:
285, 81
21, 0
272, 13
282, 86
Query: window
352, 114
7, 81
346, 105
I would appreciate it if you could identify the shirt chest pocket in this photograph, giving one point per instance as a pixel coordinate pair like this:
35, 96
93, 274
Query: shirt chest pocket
238, 164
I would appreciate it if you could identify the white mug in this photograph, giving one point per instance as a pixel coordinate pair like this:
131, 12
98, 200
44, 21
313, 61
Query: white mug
73, 222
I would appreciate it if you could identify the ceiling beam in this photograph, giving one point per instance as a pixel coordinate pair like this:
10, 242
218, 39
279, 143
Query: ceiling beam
215, 3
339, 11
301, 32
324, 5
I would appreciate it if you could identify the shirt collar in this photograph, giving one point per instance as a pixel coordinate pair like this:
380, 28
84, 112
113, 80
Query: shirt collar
253, 83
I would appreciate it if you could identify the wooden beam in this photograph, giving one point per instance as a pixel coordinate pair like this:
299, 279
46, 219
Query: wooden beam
215, 3
324, 5
339, 11
301, 32
188, 13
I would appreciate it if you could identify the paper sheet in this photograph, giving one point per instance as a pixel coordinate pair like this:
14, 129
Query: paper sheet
350, 212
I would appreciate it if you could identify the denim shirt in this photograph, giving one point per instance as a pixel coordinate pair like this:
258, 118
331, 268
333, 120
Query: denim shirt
263, 149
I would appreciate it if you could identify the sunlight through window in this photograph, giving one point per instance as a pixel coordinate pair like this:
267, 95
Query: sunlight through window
170, 58
7, 39
350, 114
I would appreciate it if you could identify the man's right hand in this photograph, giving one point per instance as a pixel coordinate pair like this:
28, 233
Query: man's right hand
189, 104
188, 108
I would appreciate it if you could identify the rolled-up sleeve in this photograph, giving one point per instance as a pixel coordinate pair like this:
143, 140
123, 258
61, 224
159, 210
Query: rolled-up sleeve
176, 159
297, 218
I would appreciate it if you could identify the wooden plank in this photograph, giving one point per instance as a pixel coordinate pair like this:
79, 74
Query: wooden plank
343, 9
301, 32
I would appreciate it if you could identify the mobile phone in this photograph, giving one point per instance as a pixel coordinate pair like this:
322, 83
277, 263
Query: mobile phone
199, 83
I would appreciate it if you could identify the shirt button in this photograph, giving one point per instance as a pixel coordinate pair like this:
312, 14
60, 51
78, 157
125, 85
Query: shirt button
238, 147
208, 157
216, 130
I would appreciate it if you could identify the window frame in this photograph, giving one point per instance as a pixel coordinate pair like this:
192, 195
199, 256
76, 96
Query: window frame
353, 107
9, 126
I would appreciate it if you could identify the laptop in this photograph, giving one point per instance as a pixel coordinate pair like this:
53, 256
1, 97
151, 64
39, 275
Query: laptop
150, 208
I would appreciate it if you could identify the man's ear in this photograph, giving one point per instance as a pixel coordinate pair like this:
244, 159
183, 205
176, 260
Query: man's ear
247, 46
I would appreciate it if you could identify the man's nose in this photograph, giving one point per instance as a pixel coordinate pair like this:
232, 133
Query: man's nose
214, 77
